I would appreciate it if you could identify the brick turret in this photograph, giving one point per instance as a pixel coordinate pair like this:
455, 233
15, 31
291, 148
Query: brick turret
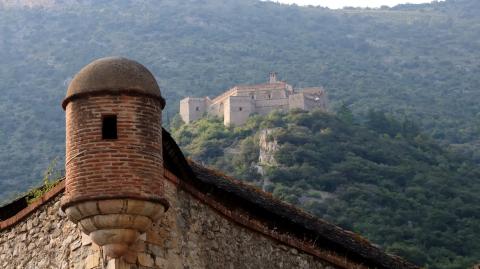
114, 164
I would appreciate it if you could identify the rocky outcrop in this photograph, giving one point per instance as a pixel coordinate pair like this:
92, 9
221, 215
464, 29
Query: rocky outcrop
268, 147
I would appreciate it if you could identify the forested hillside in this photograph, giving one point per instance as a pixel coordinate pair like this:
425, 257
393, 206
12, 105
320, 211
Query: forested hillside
415, 194
421, 61
411, 185
381, 177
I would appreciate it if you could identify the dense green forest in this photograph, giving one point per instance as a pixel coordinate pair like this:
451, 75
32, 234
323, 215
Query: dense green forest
419, 61
409, 185
378, 176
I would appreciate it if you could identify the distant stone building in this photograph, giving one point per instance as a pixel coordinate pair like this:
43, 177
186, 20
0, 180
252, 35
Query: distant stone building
130, 200
238, 103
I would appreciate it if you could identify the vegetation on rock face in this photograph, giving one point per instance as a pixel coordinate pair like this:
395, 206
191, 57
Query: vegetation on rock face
380, 177
51, 177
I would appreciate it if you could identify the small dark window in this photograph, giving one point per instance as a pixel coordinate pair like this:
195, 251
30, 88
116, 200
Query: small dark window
197, 108
109, 127
240, 108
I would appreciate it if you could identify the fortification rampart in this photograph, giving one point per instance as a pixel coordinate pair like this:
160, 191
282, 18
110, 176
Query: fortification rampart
189, 235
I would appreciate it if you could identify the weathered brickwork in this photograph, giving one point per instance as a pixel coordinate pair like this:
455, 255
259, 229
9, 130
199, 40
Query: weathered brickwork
129, 166
189, 235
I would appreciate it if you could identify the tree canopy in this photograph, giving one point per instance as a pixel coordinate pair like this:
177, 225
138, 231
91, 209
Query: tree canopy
380, 177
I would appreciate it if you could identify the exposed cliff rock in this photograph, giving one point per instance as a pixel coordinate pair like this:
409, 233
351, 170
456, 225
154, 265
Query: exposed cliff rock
268, 146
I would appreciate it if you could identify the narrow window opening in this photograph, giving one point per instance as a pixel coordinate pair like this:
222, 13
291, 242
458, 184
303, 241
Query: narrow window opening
197, 108
109, 127
240, 108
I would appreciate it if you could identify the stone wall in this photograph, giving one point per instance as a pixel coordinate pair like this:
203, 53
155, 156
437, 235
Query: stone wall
45, 239
216, 109
296, 101
264, 107
315, 102
237, 110
189, 235
192, 109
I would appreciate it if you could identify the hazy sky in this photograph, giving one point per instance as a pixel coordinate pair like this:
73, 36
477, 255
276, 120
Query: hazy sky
351, 3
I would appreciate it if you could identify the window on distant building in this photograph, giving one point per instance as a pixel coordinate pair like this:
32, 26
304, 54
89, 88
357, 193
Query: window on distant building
109, 127
240, 109
197, 108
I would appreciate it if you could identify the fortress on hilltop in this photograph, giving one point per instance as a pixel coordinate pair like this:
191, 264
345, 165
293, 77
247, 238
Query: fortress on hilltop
239, 102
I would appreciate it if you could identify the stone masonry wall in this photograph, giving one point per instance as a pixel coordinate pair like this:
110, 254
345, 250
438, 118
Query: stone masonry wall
237, 110
45, 239
189, 235
311, 103
192, 235
192, 109
296, 101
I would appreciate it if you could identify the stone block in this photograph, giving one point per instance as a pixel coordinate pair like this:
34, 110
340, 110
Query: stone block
86, 240
117, 264
23, 237
161, 262
111, 206
154, 238
42, 216
145, 259
75, 245
31, 246
156, 250
138, 246
130, 256
92, 261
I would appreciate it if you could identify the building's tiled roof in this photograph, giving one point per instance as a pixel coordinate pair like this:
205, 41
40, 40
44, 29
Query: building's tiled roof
253, 209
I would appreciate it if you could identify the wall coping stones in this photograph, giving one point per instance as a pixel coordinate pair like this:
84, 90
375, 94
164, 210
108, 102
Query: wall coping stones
46, 197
